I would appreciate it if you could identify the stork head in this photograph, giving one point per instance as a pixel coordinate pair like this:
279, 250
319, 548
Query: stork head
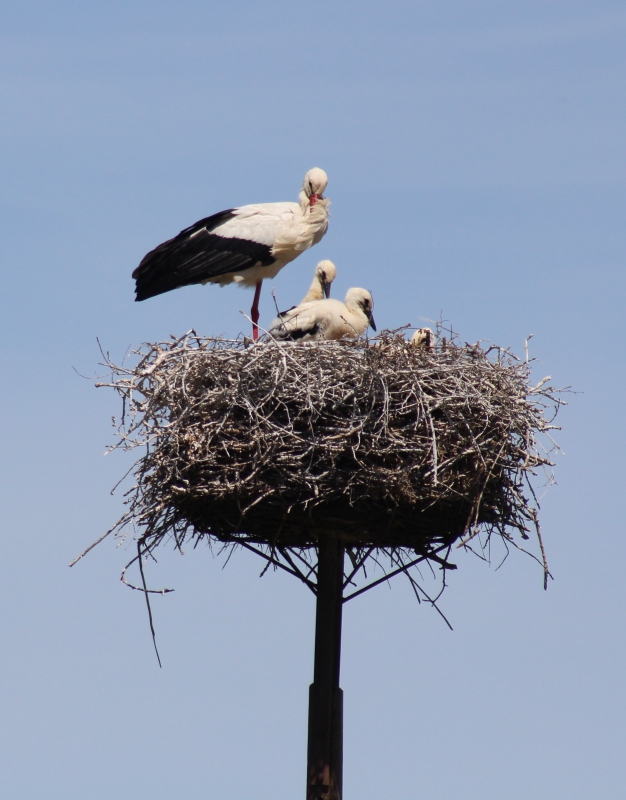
325, 272
315, 181
423, 337
360, 300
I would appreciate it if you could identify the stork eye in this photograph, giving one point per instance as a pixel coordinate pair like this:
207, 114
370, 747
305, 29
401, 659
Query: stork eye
310, 185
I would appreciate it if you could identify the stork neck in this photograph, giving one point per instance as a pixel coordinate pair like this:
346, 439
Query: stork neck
303, 200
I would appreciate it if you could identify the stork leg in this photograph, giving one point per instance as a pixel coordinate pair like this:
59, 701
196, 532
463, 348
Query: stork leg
254, 311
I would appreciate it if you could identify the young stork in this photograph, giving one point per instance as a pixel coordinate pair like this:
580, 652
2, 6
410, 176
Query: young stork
241, 245
424, 338
325, 274
327, 319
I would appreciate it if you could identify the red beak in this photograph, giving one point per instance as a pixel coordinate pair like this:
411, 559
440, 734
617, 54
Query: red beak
313, 200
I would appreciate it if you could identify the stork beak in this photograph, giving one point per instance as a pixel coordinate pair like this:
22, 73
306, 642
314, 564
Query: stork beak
313, 199
326, 289
372, 323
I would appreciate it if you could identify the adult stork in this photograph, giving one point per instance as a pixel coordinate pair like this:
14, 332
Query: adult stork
241, 245
327, 319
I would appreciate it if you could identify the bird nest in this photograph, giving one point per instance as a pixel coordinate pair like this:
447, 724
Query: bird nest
379, 443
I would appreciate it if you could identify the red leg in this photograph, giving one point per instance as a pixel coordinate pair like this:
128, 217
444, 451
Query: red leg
254, 313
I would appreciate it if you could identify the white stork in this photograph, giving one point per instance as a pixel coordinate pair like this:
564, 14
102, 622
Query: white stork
325, 274
240, 245
424, 338
327, 319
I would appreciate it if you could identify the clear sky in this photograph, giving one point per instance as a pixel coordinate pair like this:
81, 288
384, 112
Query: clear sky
476, 160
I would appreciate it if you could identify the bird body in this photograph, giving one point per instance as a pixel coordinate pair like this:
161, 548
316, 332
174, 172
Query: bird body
240, 245
281, 232
326, 319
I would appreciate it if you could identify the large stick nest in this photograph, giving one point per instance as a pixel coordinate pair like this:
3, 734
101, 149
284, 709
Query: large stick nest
381, 444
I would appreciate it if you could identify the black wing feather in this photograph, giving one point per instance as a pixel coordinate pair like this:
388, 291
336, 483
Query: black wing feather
294, 334
196, 255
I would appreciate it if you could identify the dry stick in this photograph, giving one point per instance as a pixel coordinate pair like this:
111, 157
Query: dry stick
360, 562
146, 595
311, 567
285, 554
473, 524
91, 546
544, 558
391, 574
142, 589
417, 588
276, 563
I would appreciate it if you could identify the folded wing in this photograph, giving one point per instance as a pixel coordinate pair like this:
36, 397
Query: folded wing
200, 253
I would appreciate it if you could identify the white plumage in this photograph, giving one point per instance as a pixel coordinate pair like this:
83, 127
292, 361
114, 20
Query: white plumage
423, 337
327, 319
240, 245
325, 274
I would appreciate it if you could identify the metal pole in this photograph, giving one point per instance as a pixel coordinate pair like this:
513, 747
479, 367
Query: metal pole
325, 750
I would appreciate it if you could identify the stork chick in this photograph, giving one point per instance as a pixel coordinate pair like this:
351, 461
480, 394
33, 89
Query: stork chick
327, 319
325, 274
424, 338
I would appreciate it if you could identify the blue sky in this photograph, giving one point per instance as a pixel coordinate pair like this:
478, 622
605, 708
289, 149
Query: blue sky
476, 161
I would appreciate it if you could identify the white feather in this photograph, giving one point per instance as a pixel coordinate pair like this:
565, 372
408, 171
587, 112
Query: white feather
327, 319
325, 274
287, 228
423, 337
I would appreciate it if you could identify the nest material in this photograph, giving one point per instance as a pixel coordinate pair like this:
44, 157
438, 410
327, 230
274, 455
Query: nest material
382, 444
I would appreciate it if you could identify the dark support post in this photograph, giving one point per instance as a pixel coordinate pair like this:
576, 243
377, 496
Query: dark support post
325, 751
